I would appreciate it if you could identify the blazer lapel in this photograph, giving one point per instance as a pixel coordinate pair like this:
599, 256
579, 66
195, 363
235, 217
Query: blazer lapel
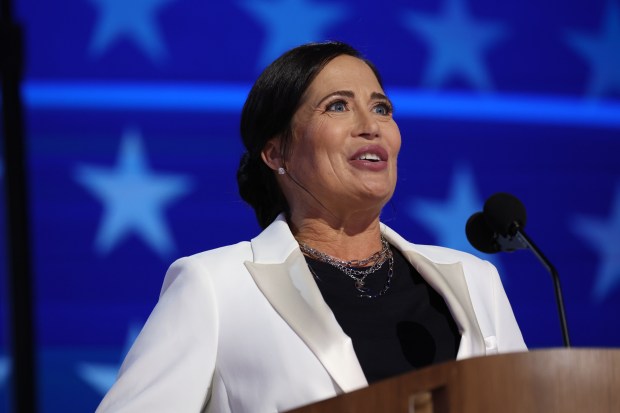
449, 281
281, 273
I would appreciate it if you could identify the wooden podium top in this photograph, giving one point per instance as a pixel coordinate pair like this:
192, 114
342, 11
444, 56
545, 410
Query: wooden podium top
575, 380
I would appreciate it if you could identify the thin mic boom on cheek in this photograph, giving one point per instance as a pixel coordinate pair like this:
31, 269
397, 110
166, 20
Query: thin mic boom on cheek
296, 182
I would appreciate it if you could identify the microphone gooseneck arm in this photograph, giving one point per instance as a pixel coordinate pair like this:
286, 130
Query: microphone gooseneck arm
500, 227
522, 237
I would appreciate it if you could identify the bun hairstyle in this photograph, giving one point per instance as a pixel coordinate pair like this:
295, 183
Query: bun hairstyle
268, 112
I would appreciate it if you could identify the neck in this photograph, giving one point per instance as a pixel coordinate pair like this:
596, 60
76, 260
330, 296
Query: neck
345, 239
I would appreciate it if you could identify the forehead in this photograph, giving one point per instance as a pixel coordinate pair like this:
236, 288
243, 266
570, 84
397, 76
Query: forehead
344, 73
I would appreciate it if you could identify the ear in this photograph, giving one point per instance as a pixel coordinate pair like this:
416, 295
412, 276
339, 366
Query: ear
272, 155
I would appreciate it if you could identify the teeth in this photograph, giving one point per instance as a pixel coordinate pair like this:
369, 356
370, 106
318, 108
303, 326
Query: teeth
369, 157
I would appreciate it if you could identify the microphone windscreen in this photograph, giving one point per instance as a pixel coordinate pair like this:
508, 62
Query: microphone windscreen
480, 235
502, 211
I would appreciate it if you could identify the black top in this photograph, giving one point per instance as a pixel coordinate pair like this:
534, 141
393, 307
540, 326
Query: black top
407, 328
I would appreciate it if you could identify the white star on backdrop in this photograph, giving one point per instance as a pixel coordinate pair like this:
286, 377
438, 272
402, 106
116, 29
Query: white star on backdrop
457, 43
602, 52
603, 235
289, 23
133, 198
132, 19
446, 219
100, 376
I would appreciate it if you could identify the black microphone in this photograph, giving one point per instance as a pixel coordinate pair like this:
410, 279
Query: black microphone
481, 235
500, 227
494, 229
505, 214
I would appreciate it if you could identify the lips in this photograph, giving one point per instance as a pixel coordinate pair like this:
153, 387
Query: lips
370, 153
370, 158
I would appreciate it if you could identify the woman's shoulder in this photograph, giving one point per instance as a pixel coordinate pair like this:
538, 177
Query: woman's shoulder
435, 253
209, 264
228, 255
443, 254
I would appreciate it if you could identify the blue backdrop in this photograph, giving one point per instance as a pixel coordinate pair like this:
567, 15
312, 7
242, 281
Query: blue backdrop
132, 111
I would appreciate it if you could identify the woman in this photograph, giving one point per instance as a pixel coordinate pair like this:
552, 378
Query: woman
326, 299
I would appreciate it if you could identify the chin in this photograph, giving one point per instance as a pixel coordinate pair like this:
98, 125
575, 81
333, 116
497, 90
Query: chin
377, 197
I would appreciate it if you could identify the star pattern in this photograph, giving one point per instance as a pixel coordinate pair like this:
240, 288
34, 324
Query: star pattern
603, 235
101, 376
134, 20
289, 23
602, 52
133, 197
446, 219
456, 42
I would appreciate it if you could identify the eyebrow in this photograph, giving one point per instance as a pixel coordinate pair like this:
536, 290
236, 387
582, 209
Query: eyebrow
350, 94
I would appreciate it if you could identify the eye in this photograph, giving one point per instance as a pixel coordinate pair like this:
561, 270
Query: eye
337, 106
383, 109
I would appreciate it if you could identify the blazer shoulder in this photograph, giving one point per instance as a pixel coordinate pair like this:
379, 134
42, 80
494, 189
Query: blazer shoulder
434, 253
222, 260
443, 254
478, 272
241, 251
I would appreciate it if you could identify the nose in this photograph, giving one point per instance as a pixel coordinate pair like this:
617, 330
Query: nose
366, 125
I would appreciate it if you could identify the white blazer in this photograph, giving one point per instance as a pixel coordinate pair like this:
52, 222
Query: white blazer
244, 328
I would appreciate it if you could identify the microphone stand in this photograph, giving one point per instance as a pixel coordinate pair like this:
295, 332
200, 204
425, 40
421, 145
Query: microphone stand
522, 237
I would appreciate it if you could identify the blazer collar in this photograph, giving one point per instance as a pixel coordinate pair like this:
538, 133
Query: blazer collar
281, 273
445, 274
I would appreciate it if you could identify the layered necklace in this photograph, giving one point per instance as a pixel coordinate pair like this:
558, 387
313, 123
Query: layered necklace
359, 270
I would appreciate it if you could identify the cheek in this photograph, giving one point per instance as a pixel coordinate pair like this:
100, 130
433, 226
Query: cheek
395, 144
318, 139
394, 138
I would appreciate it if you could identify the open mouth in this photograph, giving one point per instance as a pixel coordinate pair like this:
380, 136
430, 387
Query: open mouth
372, 157
370, 153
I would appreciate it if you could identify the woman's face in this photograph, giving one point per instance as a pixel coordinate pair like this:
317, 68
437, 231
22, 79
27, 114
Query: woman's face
345, 141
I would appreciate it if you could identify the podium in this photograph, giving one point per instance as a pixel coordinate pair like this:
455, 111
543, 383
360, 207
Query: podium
565, 381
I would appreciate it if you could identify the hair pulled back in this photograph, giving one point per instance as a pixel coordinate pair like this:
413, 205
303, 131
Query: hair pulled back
268, 112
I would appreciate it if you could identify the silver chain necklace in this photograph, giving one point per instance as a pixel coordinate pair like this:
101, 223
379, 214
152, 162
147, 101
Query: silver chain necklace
352, 268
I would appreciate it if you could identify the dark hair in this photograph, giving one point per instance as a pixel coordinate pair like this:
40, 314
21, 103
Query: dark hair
268, 112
